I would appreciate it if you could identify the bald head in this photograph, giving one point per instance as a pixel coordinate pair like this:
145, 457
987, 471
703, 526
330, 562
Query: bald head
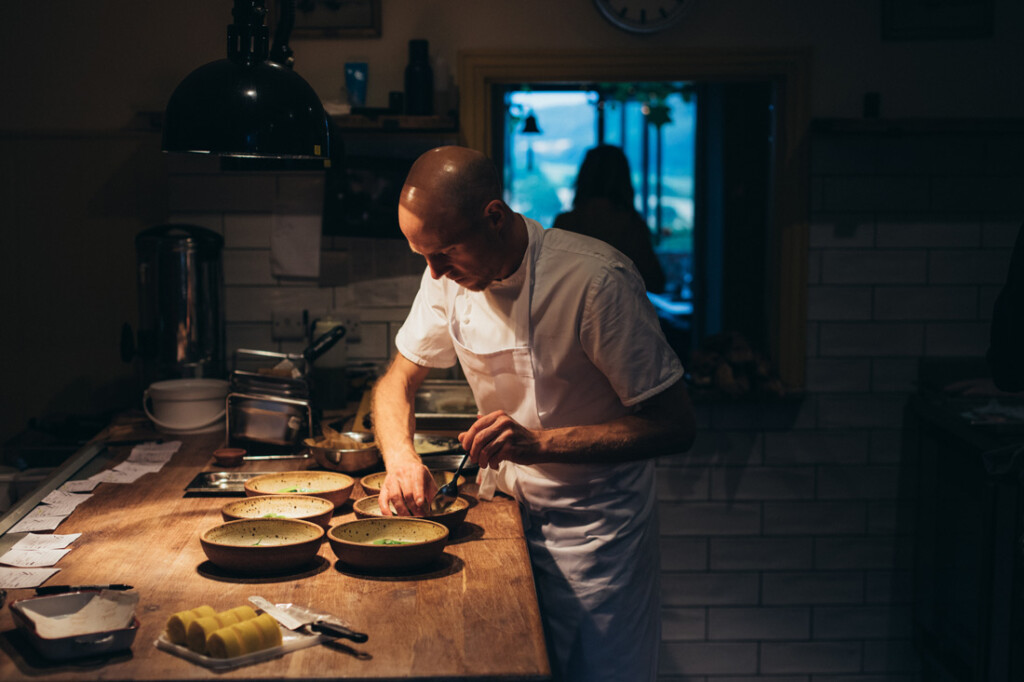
456, 181
451, 212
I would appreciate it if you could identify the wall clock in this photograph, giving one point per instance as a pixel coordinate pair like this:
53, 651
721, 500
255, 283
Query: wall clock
643, 16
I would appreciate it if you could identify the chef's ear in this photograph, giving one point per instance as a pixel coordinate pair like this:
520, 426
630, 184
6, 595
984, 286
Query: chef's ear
495, 212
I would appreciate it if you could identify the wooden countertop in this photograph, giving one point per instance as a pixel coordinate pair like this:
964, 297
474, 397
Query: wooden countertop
473, 615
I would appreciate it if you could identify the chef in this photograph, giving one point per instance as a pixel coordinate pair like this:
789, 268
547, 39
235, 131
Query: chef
577, 390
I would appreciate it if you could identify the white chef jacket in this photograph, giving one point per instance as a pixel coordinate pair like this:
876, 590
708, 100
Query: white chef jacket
568, 339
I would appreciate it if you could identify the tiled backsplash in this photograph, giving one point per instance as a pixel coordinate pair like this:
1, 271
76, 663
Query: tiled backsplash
372, 281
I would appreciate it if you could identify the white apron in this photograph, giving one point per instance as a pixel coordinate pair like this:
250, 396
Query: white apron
591, 529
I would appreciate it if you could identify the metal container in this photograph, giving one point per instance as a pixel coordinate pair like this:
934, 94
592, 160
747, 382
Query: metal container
445, 405
181, 321
271, 394
268, 419
347, 460
268, 409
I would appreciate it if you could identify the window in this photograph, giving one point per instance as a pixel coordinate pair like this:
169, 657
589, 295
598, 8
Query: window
781, 276
547, 130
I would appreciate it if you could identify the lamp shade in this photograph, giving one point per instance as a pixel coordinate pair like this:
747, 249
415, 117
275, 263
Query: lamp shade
260, 110
530, 126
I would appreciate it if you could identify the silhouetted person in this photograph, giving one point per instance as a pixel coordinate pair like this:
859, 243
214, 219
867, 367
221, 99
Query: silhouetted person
603, 209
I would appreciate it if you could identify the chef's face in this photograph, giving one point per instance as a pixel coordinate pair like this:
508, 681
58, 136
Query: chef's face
462, 250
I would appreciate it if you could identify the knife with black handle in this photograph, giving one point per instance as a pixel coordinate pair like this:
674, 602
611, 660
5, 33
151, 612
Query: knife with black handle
296, 618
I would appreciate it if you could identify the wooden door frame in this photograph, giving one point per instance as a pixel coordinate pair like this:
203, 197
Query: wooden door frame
788, 69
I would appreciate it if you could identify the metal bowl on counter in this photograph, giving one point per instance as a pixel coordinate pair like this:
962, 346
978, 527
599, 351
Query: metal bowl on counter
346, 451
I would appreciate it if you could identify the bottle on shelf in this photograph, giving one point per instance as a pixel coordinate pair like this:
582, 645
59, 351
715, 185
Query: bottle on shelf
419, 81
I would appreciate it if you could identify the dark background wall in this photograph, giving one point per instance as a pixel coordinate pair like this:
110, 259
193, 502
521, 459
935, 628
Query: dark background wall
785, 533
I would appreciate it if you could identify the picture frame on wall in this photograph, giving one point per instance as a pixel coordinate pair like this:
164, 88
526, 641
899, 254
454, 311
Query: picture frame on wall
936, 19
337, 19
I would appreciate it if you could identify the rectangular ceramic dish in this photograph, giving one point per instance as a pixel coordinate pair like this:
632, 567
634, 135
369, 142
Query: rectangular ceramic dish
26, 612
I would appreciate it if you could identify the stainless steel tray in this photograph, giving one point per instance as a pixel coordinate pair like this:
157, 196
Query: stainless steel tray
427, 445
443, 405
450, 463
221, 482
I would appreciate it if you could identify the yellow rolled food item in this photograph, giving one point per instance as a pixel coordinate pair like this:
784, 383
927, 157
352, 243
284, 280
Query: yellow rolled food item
224, 643
269, 630
244, 637
249, 635
244, 612
177, 624
200, 629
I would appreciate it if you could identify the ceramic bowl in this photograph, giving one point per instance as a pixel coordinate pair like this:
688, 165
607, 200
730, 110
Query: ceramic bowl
304, 507
228, 457
453, 515
262, 545
388, 543
371, 482
349, 451
329, 485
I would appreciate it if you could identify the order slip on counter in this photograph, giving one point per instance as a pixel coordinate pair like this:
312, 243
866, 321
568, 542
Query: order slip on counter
469, 612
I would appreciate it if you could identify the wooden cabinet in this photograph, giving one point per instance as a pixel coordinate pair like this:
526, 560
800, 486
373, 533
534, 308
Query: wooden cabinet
969, 544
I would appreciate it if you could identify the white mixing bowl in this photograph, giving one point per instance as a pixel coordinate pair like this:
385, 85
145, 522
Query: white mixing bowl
186, 405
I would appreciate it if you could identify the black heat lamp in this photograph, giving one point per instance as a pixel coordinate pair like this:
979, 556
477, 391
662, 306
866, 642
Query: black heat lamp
246, 106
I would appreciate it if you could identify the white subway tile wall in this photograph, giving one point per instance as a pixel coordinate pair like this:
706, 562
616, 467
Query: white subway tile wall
786, 531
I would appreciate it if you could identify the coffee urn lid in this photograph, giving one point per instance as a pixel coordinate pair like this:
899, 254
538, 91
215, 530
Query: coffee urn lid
179, 236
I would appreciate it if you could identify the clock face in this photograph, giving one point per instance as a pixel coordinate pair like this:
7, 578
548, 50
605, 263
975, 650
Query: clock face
643, 16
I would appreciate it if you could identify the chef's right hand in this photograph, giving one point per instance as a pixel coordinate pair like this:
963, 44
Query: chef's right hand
409, 487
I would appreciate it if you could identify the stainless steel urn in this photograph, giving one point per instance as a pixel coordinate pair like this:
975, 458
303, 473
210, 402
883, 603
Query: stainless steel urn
181, 317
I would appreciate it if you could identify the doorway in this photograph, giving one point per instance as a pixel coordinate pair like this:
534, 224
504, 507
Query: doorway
777, 292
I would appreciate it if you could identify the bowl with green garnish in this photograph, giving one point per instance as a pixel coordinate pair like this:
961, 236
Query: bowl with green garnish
388, 543
330, 485
305, 507
451, 515
262, 545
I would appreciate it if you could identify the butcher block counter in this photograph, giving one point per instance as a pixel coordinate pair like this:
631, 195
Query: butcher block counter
471, 615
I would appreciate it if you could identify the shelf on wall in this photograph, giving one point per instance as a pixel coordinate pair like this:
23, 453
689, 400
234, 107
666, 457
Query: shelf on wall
916, 125
395, 122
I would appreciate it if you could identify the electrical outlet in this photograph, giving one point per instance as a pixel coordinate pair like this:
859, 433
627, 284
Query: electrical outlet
352, 334
288, 325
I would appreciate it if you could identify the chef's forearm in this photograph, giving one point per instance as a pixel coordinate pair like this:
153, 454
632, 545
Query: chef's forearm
621, 440
664, 425
393, 409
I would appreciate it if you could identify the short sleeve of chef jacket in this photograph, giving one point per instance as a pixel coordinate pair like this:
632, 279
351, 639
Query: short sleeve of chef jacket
424, 338
620, 333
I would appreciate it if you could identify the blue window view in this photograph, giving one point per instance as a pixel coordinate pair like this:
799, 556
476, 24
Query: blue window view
548, 133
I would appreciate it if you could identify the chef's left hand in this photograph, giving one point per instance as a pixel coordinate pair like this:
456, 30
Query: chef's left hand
496, 437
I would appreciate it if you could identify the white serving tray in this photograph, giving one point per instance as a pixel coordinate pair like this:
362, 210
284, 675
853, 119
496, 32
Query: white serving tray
290, 641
